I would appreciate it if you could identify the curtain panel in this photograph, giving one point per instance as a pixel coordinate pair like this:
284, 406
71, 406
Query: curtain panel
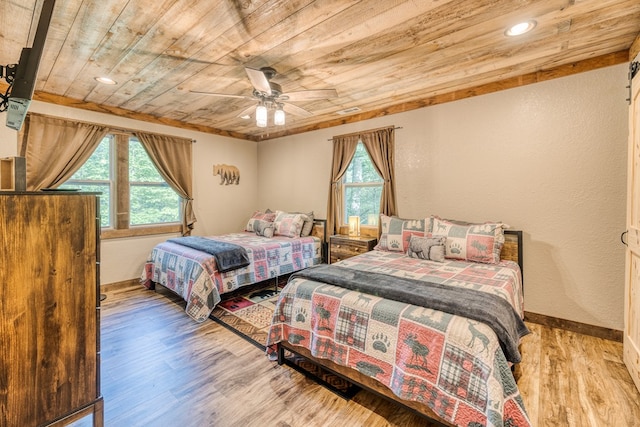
56, 148
173, 158
344, 147
380, 145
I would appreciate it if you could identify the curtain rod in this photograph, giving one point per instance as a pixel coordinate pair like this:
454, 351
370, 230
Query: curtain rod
133, 131
364, 131
111, 128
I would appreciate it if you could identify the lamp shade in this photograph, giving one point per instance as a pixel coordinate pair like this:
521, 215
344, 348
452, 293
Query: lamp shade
261, 116
354, 226
278, 117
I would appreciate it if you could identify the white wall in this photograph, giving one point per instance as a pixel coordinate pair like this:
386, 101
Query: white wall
218, 208
548, 158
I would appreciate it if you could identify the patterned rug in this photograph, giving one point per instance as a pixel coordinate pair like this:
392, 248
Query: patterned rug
249, 315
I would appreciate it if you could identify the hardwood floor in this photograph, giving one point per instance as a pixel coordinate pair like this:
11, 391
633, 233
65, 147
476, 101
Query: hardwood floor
159, 368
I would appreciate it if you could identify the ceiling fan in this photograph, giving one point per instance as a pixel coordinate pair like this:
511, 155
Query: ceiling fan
269, 95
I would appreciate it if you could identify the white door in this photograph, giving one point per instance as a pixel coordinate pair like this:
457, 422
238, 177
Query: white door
632, 277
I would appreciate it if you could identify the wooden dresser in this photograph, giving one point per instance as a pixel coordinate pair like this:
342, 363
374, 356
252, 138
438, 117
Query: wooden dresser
343, 247
49, 309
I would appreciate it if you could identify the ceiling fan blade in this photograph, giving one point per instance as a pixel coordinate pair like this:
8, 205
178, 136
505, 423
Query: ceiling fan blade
224, 95
307, 95
295, 110
247, 112
259, 80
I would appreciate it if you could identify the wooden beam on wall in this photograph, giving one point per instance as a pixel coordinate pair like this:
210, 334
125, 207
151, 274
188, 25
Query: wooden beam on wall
634, 50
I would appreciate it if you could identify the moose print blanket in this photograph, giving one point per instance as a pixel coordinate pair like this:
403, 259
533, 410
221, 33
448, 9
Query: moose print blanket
452, 364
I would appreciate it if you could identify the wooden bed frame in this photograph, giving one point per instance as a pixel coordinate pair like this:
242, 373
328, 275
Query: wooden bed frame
512, 251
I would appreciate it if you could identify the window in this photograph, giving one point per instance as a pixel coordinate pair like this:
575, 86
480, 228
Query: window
362, 187
95, 176
135, 199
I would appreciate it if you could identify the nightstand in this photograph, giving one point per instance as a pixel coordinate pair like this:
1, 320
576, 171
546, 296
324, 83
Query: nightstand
343, 247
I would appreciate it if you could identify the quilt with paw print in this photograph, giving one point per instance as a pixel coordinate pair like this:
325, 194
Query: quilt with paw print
450, 363
194, 275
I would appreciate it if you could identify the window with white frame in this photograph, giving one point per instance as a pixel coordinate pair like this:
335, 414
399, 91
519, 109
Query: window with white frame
362, 188
134, 194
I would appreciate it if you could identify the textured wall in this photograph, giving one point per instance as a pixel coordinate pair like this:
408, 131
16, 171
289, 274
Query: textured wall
548, 158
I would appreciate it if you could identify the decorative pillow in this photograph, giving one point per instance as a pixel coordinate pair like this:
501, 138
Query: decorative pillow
429, 248
396, 232
308, 223
259, 215
263, 228
288, 224
471, 242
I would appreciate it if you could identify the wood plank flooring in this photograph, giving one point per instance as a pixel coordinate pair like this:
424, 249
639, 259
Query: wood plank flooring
159, 368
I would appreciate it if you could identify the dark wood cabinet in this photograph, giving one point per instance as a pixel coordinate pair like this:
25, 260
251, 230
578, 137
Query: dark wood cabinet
49, 309
343, 247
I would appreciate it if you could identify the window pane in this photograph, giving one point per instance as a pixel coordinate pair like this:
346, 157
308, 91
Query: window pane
362, 188
95, 176
362, 202
361, 168
141, 168
153, 204
152, 201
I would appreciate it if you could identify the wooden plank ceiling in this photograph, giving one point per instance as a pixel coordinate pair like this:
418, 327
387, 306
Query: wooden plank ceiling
380, 56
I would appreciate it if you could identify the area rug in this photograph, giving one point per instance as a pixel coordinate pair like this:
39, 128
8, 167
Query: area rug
249, 315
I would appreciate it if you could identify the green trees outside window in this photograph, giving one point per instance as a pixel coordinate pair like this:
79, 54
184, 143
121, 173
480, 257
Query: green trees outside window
362, 188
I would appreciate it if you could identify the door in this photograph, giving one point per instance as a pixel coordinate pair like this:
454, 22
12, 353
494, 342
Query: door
632, 276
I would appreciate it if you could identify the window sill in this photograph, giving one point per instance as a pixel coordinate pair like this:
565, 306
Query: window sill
111, 233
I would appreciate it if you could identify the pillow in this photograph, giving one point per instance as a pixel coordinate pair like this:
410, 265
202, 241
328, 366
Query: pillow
308, 223
471, 242
263, 228
396, 232
258, 215
429, 248
288, 224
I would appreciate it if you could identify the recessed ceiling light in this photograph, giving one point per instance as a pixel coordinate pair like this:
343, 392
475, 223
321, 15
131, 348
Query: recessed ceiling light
105, 80
520, 28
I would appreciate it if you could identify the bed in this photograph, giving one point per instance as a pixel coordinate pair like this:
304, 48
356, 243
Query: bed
273, 244
449, 365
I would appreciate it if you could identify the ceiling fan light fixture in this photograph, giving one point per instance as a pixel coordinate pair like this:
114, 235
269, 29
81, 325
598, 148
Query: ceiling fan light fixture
261, 116
278, 116
520, 28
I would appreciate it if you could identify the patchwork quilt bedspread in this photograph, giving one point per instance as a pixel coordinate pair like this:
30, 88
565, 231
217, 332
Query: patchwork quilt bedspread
194, 276
450, 363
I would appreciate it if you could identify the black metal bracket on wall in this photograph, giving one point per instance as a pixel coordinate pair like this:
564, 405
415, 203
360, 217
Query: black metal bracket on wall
634, 67
8, 73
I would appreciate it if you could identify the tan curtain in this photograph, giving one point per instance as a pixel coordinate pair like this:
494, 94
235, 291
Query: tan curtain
381, 148
380, 145
344, 147
56, 148
173, 158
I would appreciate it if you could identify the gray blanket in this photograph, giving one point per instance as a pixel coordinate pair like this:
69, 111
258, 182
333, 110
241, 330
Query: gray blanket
228, 255
476, 305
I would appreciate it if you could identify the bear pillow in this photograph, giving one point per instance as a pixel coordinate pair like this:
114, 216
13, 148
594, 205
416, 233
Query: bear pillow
429, 248
263, 228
